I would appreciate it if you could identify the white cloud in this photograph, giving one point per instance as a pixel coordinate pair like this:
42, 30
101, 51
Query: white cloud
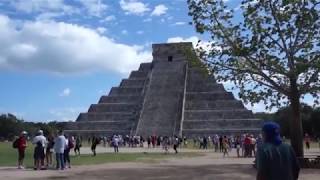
63, 48
94, 7
134, 7
140, 32
147, 20
101, 30
124, 32
180, 23
30, 6
159, 10
110, 18
65, 92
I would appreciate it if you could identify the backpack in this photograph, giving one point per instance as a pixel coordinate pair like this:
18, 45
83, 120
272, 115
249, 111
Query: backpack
15, 143
70, 145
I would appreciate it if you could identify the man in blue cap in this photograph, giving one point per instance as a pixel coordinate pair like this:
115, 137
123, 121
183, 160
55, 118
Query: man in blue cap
276, 160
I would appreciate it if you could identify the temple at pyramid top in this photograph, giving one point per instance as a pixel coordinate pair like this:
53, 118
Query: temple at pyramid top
168, 96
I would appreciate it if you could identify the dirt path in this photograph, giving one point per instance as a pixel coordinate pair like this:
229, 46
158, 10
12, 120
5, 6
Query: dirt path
210, 166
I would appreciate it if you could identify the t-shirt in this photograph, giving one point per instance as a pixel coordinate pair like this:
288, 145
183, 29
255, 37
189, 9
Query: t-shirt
41, 139
22, 143
59, 144
277, 162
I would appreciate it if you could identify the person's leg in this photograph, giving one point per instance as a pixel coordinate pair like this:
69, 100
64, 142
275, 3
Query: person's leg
68, 159
57, 160
62, 161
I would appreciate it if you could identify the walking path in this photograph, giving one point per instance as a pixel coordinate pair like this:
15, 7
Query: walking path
209, 166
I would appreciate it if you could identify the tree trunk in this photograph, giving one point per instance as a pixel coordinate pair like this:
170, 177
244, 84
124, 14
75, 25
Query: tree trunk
296, 123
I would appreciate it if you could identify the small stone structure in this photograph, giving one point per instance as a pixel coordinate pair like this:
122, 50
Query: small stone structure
168, 96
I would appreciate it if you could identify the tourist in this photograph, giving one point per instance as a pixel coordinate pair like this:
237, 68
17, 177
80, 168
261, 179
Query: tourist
59, 146
275, 160
307, 141
238, 145
247, 146
115, 143
253, 145
205, 142
49, 150
225, 145
21, 145
40, 142
95, 141
175, 144
66, 154
77, 146
165, 144
221, 143
149, 141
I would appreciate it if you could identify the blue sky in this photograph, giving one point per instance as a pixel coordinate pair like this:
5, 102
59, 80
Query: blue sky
59, 56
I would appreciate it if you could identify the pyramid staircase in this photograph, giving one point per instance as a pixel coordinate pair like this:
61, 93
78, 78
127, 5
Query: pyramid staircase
167, 97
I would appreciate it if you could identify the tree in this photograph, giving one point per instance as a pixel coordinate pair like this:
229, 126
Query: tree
269, 49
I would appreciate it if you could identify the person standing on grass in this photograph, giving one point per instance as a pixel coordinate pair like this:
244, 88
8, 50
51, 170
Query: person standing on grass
49, 150
59, 146
95, 142
175, 144
21, 145
276, 160
77, 146
115, 143
40, 142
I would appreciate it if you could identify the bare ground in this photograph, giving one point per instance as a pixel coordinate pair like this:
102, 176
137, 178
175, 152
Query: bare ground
210, 166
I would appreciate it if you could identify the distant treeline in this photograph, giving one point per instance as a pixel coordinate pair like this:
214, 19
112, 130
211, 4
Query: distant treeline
310, 119
11, 126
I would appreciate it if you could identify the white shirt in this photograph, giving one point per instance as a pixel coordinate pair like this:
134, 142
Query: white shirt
40, 138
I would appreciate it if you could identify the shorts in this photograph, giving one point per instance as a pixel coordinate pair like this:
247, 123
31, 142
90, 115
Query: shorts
21, 154
38, 153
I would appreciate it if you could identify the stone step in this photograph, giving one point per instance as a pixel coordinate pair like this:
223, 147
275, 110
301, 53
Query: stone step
217, 114
106, 125
113, 107
220, 131
209, 96
218, 104
106, 116
132, 83
145, 67
120, 99
222, 123
125, 91
139, 74
204, 87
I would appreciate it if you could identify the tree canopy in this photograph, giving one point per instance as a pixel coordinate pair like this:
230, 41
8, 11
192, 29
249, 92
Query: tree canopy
270, 50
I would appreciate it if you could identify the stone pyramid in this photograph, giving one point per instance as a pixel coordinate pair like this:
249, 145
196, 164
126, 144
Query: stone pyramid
169, 96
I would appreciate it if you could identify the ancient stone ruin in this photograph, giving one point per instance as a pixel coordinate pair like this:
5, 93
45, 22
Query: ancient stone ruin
169, 96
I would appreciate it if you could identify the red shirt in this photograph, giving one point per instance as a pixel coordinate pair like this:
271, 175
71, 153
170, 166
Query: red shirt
22, 143
247, 141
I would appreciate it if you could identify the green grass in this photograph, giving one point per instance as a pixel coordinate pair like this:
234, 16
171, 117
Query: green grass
8, 157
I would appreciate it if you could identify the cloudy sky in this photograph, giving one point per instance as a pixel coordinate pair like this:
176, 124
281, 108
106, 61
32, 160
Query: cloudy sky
59, 56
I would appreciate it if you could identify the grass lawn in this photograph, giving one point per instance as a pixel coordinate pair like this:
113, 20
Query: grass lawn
8, 157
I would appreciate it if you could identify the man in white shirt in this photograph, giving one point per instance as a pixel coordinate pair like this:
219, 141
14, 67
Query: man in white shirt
59, 147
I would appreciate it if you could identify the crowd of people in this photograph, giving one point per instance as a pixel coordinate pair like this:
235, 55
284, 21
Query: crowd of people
45, 147
268, 149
